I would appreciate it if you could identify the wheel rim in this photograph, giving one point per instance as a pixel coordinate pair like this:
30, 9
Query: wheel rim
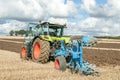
23, 52
57, 64
36, 51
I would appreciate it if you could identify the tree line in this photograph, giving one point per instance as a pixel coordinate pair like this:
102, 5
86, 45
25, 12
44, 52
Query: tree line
17, 32
109, 37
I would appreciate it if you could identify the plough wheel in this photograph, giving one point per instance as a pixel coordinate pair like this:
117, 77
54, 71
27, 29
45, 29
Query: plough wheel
60, 63
40, 51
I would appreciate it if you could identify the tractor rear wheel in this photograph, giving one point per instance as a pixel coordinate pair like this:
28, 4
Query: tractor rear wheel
40, 51
23, 54
60, 63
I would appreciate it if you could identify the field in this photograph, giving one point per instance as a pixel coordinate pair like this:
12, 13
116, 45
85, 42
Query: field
105, 55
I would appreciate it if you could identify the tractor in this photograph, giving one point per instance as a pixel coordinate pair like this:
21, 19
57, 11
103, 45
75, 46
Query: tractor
41, 40
45, 41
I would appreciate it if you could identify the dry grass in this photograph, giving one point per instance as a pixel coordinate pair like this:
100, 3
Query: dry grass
11, 37
13, 68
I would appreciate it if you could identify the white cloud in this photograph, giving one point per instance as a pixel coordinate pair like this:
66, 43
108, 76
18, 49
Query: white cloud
35, 9
94, 26
57, 20
20, 9
88, 23
57, 8
72, 29
104, 19
110, 9
88, 4
12, 25
100, 27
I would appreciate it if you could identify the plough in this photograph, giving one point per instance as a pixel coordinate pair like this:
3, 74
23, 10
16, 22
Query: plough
71, 56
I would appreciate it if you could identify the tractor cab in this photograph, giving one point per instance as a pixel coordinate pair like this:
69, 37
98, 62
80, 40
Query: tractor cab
31, 29
54, 30
47, 31
45, 28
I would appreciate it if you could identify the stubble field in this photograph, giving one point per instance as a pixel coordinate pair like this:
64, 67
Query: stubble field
105, 55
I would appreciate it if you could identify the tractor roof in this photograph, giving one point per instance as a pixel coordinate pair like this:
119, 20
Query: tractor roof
51, 24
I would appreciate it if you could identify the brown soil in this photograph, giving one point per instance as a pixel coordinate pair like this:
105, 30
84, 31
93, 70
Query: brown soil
109, 40
97, 57
99, 45
10, 46
19, 40
102, 57
108, 45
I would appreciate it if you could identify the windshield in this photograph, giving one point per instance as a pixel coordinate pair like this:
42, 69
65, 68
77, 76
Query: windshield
55, 31
44, 30
31, 29
32, 26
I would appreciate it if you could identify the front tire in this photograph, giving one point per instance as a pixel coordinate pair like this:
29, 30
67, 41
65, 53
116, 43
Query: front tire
23, 53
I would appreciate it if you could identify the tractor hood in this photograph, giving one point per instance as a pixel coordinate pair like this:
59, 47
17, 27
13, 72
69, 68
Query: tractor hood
52, 39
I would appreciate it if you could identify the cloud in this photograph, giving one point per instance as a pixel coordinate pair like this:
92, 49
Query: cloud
86, 18
57, 20
103, 19
94, 26
88, 4
20, 10
12, 25
109, 10
36, 9
14, 11
58, 8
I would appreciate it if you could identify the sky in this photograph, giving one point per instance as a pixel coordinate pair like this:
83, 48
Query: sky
83, 17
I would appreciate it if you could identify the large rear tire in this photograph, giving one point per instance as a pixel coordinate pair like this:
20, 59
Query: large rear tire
60, 63
40, 51
23, 53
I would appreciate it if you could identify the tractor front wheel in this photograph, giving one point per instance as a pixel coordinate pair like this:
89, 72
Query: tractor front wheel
60, 63
23, 54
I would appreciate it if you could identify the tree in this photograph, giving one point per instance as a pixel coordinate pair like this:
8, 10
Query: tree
21, 32
11, 33
16, 33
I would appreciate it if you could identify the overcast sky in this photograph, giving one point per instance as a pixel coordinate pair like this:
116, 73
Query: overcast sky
83, 17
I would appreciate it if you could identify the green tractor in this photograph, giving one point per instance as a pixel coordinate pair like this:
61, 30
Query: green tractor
41, 40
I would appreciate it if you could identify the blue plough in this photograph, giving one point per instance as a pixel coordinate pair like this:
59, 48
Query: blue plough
71, 56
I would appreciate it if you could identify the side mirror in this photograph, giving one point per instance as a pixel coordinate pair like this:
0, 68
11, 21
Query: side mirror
26, 34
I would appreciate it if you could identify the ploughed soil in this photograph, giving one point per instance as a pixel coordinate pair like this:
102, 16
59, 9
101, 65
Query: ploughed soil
108, 45
97, 57
102, 57
10, 46
19, 40
98, 45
